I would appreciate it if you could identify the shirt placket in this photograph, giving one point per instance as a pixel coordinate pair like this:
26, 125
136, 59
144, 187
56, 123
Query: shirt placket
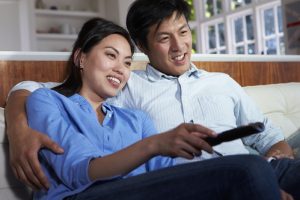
186, 104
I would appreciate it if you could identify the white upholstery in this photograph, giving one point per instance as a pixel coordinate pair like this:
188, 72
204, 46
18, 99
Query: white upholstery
280, 102
10, 188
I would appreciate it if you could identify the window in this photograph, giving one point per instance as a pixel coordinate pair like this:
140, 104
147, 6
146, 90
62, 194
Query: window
272, 30
243, 34
237, 26
212, 7
235, 4
215, 38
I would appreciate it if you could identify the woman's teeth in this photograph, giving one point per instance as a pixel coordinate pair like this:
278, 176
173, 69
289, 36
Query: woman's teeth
114, 79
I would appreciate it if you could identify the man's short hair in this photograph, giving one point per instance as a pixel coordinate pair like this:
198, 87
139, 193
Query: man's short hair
144, 13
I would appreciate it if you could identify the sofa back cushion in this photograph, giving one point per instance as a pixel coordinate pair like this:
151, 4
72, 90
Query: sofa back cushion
10, 188
280, 103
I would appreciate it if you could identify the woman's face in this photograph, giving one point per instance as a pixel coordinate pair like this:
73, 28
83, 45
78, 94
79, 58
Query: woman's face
106, 68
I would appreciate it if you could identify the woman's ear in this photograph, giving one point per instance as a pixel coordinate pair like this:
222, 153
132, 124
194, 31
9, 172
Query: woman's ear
79, 59
76, 58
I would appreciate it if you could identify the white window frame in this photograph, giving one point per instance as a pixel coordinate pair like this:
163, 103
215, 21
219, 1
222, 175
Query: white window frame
261, 23
233, 45
226, 15
204, 28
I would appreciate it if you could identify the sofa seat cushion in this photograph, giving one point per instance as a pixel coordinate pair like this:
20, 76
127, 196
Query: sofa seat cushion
280, 103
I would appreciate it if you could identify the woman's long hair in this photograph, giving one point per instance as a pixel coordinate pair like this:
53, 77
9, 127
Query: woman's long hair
92, 32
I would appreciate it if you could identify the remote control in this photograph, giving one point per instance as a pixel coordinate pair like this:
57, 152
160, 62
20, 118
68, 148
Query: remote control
239, 132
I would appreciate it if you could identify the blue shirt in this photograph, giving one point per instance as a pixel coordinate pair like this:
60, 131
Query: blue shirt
73, 124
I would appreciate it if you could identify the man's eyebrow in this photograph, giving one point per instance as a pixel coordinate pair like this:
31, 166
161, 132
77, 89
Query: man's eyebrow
167, 33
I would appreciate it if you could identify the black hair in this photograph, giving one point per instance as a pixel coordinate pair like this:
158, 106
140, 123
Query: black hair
91, 34
144, 13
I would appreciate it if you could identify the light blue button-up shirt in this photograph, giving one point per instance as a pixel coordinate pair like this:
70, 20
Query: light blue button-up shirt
214, 100
73, 124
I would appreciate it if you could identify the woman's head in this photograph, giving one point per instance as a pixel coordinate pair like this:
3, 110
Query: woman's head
102, 48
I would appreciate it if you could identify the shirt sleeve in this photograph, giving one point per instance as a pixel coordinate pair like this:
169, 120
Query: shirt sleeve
45, 114
247, 112
31, 86
157, 162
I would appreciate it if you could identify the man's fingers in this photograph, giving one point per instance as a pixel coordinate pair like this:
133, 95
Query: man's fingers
51, 145
31, 177
39, 174
23, 178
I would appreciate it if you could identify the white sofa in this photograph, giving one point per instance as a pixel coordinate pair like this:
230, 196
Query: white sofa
280, 102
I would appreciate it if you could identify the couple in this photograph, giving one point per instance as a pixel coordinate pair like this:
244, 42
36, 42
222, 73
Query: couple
116, 153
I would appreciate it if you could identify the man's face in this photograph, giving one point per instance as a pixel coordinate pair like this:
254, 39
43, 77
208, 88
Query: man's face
170, 45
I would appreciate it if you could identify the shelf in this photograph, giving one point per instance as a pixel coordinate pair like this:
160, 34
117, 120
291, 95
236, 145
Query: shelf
66, 13
56, 36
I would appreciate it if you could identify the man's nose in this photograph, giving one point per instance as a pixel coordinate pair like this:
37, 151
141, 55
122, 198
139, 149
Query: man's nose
176, 44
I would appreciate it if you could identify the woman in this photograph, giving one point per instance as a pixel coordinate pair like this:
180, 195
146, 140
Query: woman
105, 145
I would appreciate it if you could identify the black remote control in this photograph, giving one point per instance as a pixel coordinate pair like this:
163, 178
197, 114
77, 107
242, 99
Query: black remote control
239, 132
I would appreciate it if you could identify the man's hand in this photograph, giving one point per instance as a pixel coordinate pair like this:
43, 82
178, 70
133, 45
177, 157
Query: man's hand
23, 151
285, 195
24, 143
280, 150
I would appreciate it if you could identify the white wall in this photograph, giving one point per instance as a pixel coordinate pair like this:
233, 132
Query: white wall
10, 36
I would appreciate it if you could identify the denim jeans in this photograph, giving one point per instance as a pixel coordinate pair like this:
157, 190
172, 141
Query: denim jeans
288, 175
246, 177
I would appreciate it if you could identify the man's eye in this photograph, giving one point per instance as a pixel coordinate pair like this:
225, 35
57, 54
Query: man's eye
164, 39
183, 32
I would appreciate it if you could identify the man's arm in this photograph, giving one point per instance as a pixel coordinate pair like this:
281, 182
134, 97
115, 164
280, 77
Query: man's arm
24, 143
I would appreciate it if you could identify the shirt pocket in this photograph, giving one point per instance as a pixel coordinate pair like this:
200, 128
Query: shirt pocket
217, 110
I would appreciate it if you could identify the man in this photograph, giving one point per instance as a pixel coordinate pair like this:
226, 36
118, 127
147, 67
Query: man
172, 91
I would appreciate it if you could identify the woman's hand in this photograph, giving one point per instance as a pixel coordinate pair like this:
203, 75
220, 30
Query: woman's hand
186, 140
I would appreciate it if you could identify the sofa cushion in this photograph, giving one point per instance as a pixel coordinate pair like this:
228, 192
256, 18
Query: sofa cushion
280, 103
10, 188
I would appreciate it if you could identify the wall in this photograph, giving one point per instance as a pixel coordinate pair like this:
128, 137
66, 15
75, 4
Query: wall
10, 25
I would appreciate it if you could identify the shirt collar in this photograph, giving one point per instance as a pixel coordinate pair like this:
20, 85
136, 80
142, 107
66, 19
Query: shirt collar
155, 75
83, 103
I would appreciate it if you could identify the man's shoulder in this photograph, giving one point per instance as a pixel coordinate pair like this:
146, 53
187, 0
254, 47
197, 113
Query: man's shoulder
215, 75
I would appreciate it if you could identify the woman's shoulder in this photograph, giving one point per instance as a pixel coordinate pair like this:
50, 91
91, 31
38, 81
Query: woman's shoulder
47, 95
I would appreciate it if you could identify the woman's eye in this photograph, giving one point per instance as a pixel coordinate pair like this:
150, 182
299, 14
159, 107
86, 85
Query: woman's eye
111, 55
128, 64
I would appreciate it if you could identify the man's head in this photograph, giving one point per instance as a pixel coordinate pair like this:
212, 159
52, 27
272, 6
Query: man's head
160, 29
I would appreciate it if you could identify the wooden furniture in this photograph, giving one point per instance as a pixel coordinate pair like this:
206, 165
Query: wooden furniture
247, 73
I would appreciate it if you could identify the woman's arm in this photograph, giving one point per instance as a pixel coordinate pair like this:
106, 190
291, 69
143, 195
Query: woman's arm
24, 143
186, 141
82, 160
